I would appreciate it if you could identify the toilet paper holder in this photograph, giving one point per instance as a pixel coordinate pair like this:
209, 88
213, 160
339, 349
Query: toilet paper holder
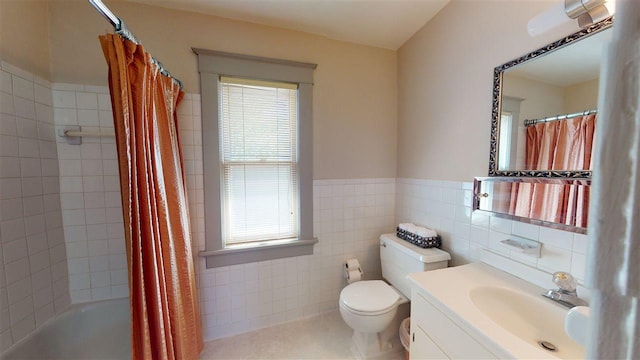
352, 270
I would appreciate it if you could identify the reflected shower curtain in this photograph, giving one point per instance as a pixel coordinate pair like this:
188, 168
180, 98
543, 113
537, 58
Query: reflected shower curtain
163, 294
558, 145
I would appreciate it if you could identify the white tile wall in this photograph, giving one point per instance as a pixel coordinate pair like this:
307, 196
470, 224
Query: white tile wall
446, 207
349, 216
33, 273
90, 195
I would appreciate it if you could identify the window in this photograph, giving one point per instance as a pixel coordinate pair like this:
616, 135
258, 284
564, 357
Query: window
259, 140
504, 145
510, 141
257, 157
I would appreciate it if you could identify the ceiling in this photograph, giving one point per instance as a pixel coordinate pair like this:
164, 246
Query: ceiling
569, 65
381, 23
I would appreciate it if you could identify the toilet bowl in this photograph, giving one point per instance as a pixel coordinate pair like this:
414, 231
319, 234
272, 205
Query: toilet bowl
369, 306
374, 309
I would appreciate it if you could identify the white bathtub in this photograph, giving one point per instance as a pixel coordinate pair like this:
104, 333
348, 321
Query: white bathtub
97, 330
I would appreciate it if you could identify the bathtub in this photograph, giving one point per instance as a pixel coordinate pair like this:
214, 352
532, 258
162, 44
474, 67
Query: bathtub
97, 330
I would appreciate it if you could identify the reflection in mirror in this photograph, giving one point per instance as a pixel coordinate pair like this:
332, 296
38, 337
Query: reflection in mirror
544, 108
557, 203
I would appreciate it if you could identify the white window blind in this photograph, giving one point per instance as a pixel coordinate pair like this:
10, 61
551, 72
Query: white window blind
258, 143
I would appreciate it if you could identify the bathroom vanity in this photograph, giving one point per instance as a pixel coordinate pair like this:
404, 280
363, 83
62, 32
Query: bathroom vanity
475, 311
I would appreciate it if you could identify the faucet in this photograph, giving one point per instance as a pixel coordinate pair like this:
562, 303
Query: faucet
566, 293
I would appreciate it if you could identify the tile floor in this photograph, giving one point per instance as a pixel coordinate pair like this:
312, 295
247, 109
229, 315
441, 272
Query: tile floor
320, 337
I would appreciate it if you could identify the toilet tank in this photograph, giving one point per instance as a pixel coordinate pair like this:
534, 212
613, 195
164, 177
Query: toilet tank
400, 258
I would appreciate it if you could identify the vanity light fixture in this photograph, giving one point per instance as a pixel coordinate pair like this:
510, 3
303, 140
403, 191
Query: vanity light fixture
586, 12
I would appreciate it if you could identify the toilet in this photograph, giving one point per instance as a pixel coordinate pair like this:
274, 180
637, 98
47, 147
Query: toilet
375, 308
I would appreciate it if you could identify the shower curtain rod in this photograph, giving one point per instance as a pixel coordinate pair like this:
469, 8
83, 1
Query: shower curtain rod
530, 122
121, 29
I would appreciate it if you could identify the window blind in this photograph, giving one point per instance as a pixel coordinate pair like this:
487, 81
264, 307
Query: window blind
258, 130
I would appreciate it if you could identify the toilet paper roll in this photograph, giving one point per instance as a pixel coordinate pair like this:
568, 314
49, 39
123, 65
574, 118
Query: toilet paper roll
353, 276
353, 264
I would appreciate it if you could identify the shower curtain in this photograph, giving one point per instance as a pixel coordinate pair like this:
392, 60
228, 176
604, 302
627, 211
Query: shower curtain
613, 264
163, 294
558, 145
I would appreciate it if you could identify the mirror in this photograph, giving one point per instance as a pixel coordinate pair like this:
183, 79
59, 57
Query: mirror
544, 108
556, 203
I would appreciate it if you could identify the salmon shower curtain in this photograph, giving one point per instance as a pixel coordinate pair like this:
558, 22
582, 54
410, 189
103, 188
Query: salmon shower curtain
163, 295
560, 145
557, 145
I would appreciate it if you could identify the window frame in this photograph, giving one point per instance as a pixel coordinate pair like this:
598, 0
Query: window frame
212, 65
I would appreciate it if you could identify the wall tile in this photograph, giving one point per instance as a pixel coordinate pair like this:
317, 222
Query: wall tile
11, 209
86, 100
23, 88
17, 275
27, 128
11, 187
6, 82
66, 87
37, 243
51, 191
580, 243
24, 108
64, 116
525, 230
7, 125
64, 99
554, 259
44, 114
14, 250
8, 145
12, 229
556, 238
560, 250
43, 95
88, 118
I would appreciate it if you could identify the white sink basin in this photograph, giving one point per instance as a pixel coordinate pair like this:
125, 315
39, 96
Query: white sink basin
505, 314
532, 319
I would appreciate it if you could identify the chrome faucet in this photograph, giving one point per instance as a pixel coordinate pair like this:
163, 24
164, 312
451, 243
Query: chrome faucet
566, 293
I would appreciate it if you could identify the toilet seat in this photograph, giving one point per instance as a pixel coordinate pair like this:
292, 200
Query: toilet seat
369, 298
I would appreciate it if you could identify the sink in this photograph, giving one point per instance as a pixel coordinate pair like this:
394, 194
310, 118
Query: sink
505, 314
534, 320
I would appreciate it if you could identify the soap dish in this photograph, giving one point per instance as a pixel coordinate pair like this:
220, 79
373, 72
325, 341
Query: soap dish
524, 246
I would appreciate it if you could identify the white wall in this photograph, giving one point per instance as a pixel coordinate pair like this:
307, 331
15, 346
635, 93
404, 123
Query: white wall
580, 97
33, 264
355, 86
24, 36
540, 99
445, 75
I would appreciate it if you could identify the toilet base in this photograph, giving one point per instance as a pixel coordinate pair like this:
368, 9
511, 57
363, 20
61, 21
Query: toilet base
369, 346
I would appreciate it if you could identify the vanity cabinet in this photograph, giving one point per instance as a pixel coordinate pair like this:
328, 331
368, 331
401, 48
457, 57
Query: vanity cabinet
422, 347
435, 336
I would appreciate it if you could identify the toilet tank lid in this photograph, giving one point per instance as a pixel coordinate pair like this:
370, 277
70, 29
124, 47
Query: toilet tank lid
426, 256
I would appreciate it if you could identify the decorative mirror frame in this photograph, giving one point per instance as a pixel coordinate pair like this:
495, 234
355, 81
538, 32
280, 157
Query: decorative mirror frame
496, 105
